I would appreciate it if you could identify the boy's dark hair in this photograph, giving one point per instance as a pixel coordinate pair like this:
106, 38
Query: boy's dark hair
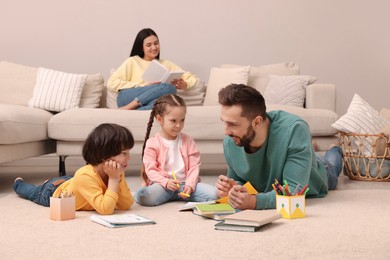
250, 100
106, 141
138, 46
159, 109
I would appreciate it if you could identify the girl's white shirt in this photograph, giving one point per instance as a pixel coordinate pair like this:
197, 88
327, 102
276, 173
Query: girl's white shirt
174, 161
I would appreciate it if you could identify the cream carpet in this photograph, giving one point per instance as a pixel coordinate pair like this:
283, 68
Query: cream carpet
352, 222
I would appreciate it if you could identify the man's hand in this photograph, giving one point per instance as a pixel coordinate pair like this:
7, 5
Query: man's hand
223, 185
239, 198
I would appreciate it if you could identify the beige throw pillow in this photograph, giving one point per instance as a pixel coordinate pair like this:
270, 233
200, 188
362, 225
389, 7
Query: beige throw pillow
220, 78
287, 90
92, 91
259, 76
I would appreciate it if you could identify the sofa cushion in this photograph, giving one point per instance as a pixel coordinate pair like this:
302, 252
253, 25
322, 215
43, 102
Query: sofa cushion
76, 124
92, 91
319, 120
57, 91
202, 122
19, 124
16, 83
259, 76
287, 90
220, 78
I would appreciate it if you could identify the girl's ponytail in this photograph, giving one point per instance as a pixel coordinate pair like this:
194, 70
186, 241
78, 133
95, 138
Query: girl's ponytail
148, 130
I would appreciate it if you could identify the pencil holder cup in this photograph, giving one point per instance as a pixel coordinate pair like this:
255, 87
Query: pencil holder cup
62, 208
291, 206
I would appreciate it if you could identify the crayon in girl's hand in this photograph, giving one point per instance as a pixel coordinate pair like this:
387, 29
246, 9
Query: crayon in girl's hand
185, 194
174, 177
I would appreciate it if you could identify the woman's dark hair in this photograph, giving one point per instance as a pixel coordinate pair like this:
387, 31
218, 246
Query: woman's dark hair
159, 109
138, 46
250, 100
106, 141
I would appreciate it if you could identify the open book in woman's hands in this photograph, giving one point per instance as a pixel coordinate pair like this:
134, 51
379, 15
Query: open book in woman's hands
156, 72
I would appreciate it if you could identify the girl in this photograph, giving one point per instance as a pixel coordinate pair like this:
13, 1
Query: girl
171, 159
100, 185
134, 93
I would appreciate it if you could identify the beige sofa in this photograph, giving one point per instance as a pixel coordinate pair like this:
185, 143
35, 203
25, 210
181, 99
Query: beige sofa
70, 128
23, 130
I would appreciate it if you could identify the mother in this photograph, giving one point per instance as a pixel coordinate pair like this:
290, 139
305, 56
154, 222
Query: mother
134, 92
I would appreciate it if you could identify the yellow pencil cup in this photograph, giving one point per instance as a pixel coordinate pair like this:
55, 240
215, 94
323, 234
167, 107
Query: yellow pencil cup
291, 206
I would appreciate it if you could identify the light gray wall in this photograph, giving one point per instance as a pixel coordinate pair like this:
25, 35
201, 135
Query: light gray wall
341, 42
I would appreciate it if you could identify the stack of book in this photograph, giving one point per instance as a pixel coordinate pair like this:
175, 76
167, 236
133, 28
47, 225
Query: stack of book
248, 220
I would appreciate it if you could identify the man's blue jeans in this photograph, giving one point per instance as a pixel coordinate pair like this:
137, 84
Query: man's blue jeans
333, 162
39, 194
146, 96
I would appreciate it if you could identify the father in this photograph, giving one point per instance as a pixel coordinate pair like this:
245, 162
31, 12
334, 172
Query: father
260, 147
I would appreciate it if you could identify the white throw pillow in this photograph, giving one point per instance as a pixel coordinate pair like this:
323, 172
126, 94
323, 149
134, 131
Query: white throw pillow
287, 90
57, 91
220, 78
259, 76
361, 118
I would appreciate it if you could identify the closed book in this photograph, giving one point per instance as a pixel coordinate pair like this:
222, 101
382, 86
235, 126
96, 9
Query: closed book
210, 215
223, 226
252, 217
218, 208
191, 205
120, 220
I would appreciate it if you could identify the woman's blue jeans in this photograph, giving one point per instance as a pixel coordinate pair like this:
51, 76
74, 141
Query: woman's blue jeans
333, 162
156, 194
146, 96
39, 194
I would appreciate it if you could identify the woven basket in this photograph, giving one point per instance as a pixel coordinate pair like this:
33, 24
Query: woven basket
366, 156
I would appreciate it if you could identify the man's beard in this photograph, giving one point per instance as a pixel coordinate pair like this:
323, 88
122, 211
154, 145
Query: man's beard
246, 139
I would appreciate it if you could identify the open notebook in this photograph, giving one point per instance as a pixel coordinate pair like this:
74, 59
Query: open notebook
121, 220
